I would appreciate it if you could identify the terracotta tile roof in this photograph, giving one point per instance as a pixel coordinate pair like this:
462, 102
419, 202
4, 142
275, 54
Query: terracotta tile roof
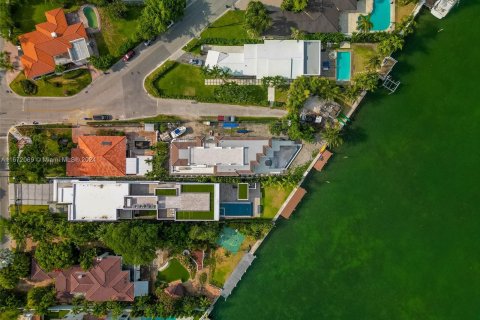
103, 156
37, 274
175, 289
105, 281
40, 47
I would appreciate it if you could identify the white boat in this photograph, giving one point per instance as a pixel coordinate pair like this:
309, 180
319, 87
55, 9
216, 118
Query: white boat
442, 7
178, 132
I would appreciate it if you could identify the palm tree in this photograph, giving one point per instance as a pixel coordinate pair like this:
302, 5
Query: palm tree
332, 135
391, 44
374, 62
364, 23
257, 19
297, 34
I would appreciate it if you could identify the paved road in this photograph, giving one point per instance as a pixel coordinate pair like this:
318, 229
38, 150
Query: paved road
121, 92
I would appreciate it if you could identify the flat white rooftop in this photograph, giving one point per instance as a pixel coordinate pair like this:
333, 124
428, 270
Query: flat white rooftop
97, 200
217, 156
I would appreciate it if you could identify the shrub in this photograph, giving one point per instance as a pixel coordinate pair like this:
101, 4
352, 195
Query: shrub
335, 37
125, 47
74, 74
102, 62
117, 9
234, 93
28, 86
157, 74
59, 68
294, 5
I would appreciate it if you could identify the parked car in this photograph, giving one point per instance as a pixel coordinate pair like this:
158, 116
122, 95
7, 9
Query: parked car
178, 132
128, 56
149, 41
102, 117
196, 62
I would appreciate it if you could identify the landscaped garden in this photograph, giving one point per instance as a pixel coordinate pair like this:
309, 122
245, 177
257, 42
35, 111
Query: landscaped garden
174, 271
44, 157
198, 215
117, 36
227, 30
184, 81
68, 84
243, 191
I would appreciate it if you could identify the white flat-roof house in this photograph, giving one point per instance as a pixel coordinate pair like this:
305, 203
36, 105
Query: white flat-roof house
114, 200
231, 156
287, 58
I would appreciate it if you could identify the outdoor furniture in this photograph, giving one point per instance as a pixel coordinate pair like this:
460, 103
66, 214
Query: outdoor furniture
326, 65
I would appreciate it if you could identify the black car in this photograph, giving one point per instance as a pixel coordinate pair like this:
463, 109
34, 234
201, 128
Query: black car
102, 117
149, 41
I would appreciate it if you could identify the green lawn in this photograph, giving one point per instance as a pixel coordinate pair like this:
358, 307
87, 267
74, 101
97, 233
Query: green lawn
228, 26
242, 191
198, 215
273, 198
56, 315
174, 271
116, 32
32, 12
187, 81
54, 86
362, 52
166, 192
184, 80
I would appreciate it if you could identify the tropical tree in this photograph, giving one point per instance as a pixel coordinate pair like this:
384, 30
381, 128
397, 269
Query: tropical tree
51, 256
374, 62
257, 19
332, 135
406, 26
297, 34
135, 241
294, 5
5, 63
364, 23
40, 299
391, 44
19, 268
366, 81
157, 16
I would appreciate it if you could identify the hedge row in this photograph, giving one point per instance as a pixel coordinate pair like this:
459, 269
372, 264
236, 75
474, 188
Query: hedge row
195, 43
157, 74
356, 37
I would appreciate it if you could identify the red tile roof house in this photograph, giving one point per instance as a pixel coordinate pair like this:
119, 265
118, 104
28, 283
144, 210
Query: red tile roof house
54, 42
98, 156
105, 281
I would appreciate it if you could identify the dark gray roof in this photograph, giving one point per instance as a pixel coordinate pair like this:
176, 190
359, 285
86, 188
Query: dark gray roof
320, 16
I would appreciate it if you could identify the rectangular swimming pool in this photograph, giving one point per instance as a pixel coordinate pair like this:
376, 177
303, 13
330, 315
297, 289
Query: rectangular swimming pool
236, 209
344, 65
381, 15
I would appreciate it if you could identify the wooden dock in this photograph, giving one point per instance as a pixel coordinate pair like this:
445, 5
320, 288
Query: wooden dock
322, 161
293, 202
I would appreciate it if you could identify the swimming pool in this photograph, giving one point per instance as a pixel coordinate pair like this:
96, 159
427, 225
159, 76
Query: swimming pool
344, 65
380, 15
91, 17
236, 209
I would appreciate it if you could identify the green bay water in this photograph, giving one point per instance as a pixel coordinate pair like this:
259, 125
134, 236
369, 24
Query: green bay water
391, 229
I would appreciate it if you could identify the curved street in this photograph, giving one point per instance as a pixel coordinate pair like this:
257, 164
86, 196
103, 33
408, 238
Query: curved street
121, 93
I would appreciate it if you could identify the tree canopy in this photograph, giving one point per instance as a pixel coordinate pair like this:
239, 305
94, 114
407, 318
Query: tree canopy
294, 5
157, 16
51, 256
136, 242
19, 268
257, 20
40, 299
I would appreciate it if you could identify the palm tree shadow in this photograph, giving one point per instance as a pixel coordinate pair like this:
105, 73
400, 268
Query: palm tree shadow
354, 135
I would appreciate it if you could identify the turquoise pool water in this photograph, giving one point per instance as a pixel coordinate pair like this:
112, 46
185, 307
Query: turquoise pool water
344, 66
381, 15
